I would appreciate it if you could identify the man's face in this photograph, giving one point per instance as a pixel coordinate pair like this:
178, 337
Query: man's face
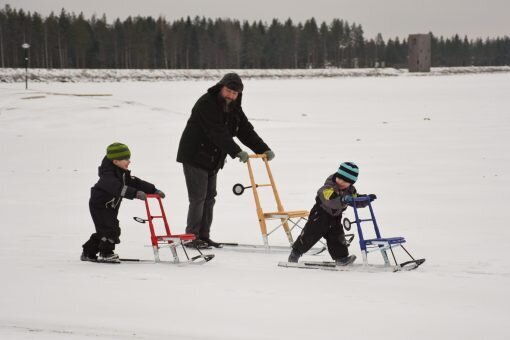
228, 94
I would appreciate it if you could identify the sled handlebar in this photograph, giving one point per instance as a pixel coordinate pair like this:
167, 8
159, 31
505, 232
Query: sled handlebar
257, 156
361, 199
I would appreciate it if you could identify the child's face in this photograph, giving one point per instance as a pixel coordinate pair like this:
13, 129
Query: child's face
342, 184
122, 163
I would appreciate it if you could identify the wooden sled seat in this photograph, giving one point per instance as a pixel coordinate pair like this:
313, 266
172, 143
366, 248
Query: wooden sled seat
286, 214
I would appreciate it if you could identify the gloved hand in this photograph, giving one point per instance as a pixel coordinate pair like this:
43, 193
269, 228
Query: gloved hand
160, 193
243, 156
372, 197
141, 195
347, 199
269, 154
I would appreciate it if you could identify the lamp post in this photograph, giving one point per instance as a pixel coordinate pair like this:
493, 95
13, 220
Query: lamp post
25, 47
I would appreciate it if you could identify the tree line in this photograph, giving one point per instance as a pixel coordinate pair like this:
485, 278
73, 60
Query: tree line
68, 40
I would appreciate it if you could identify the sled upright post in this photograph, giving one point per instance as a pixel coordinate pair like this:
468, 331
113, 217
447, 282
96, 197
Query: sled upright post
284, 216
173, 241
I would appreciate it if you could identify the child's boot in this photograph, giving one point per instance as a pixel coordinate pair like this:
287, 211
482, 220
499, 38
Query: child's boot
108, 258
294, 256
87, 257
345, 261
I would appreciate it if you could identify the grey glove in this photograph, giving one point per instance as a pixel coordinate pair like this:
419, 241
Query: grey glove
160, 193
269, 154
141, 195
243, 156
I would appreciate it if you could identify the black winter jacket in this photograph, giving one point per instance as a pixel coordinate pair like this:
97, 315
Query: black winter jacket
114, 184
208, 135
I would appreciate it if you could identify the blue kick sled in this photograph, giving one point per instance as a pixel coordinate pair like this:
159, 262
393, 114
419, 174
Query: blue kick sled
377, 244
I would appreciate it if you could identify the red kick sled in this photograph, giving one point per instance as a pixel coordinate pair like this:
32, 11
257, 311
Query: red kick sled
175, 242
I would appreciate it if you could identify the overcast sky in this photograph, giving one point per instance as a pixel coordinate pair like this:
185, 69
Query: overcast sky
475, 18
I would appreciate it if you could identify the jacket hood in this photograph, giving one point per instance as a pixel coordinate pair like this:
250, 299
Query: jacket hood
107, 166
232, 81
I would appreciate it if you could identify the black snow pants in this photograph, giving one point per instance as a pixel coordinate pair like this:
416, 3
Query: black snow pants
321, 224
107, 231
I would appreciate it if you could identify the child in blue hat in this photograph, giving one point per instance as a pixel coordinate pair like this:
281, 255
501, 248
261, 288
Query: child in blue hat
326, 216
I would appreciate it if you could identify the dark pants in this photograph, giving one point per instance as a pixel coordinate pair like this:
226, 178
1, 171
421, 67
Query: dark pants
201, 186
107, 231
321, 224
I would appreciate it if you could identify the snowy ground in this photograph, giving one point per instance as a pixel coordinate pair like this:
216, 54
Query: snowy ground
434, 150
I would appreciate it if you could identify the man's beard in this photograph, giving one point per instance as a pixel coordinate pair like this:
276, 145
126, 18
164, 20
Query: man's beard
226, 103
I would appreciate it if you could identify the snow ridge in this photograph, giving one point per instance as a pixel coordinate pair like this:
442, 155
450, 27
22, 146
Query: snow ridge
13, 75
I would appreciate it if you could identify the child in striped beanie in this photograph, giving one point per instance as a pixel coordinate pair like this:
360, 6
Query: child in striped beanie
326, 216
115, 183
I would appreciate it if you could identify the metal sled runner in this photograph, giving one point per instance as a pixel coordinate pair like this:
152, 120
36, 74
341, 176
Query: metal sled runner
175, 242
286, 217
379, 243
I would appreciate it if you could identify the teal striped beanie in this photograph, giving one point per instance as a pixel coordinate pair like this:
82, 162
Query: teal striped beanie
117, 151
348, 172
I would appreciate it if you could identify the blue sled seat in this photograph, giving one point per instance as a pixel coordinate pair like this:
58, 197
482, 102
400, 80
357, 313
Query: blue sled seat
385, 241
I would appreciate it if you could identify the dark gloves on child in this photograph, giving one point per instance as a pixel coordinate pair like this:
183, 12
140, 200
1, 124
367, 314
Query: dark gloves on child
372, 197
243, 156
347, 199
269, 154
160, 193
141, 195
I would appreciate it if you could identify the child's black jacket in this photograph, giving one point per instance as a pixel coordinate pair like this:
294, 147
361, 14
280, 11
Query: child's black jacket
114, 184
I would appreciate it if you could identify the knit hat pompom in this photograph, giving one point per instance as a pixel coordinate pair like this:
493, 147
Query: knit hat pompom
117, 151
348, 171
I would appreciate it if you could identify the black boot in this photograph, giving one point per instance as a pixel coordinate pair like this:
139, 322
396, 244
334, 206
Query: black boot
211, 243
108, 257
294, 256
198, 244
88, 257
345, 261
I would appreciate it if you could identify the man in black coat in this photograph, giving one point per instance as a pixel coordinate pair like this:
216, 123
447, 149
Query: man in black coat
216, 119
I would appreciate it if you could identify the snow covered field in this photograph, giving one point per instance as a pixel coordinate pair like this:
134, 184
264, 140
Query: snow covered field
434, 149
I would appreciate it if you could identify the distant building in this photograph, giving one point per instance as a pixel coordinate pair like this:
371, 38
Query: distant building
419, 52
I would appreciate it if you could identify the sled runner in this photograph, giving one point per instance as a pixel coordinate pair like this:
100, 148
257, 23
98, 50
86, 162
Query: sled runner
331, 265
379, 243
288, 220
259, 248
175, 242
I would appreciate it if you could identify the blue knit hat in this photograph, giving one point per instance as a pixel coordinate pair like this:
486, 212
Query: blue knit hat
348, 171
